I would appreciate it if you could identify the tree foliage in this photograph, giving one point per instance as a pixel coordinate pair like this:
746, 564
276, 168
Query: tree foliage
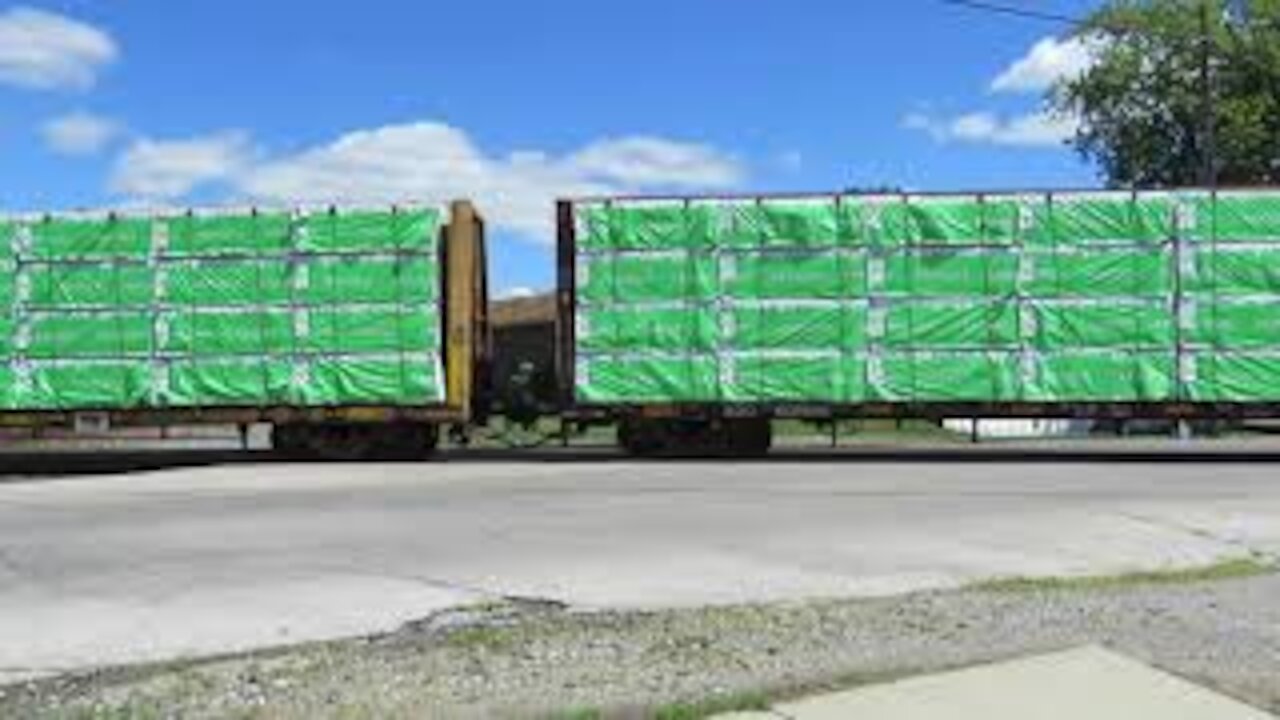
1141, 103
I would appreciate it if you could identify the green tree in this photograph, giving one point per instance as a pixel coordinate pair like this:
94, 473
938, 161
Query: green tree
1142, 103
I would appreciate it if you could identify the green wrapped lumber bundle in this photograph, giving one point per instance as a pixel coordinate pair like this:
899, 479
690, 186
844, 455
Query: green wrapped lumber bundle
1038, 297
221, 309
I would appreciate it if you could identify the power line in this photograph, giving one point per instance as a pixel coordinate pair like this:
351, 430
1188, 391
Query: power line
1236, 13
1208, 127
1014, 11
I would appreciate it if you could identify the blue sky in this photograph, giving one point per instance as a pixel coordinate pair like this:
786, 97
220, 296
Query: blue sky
107, 102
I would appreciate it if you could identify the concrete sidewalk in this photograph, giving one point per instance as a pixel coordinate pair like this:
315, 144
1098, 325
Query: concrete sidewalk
1087, 682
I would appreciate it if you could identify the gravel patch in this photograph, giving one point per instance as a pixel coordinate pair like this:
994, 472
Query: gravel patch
533, 659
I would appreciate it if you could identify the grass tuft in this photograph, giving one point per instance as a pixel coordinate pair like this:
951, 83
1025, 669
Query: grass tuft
1223, 570
739, 702
479, 638
580, 713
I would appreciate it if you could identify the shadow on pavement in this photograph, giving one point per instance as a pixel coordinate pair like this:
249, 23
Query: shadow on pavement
18, 467
977, 454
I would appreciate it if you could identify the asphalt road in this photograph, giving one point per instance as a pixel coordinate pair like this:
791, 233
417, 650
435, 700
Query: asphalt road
105, 568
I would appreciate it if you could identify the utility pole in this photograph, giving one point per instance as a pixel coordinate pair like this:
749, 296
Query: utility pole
1208, 109
1208, 178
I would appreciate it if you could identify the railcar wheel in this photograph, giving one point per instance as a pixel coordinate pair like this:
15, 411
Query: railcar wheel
406, 441
642, 437
749, 437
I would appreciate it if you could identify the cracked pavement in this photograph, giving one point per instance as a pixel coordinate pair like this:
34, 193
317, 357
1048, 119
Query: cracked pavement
193, 561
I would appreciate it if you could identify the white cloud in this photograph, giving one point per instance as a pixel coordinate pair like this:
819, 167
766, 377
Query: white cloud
42, 50
516, 293
641, 160
435, 162
427, 162
974, 127
1048, 61
167, 169
1037, 129
918, 121
79, 133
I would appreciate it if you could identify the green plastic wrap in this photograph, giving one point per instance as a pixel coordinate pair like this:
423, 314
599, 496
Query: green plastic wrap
926, 376
943, 222
1103, 376
780, 327
1102, 324
366, 380
230, 308
218, 333
655, 378
345, 280
1090, 218
663, 329
789, 225
1233, 217
263, 234
196, 283
96, 285
638, 278
94, 384
964, 273
1087, 297
367, 231
664, 226
826, 275
766, 378
1233, 323
1011, 219
1240, 270
8, 281
361, 330
59, 239
1226, 376
1100, 273
935, 325
101, 335
218, 381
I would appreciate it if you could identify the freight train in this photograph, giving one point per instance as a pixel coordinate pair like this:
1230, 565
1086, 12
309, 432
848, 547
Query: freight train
354, 332
690, 323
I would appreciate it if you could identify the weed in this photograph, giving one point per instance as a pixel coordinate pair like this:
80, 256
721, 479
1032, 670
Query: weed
478, 638
579, 713
1223, 570
738, 702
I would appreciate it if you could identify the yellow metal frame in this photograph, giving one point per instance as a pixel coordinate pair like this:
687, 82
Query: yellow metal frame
466, 305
